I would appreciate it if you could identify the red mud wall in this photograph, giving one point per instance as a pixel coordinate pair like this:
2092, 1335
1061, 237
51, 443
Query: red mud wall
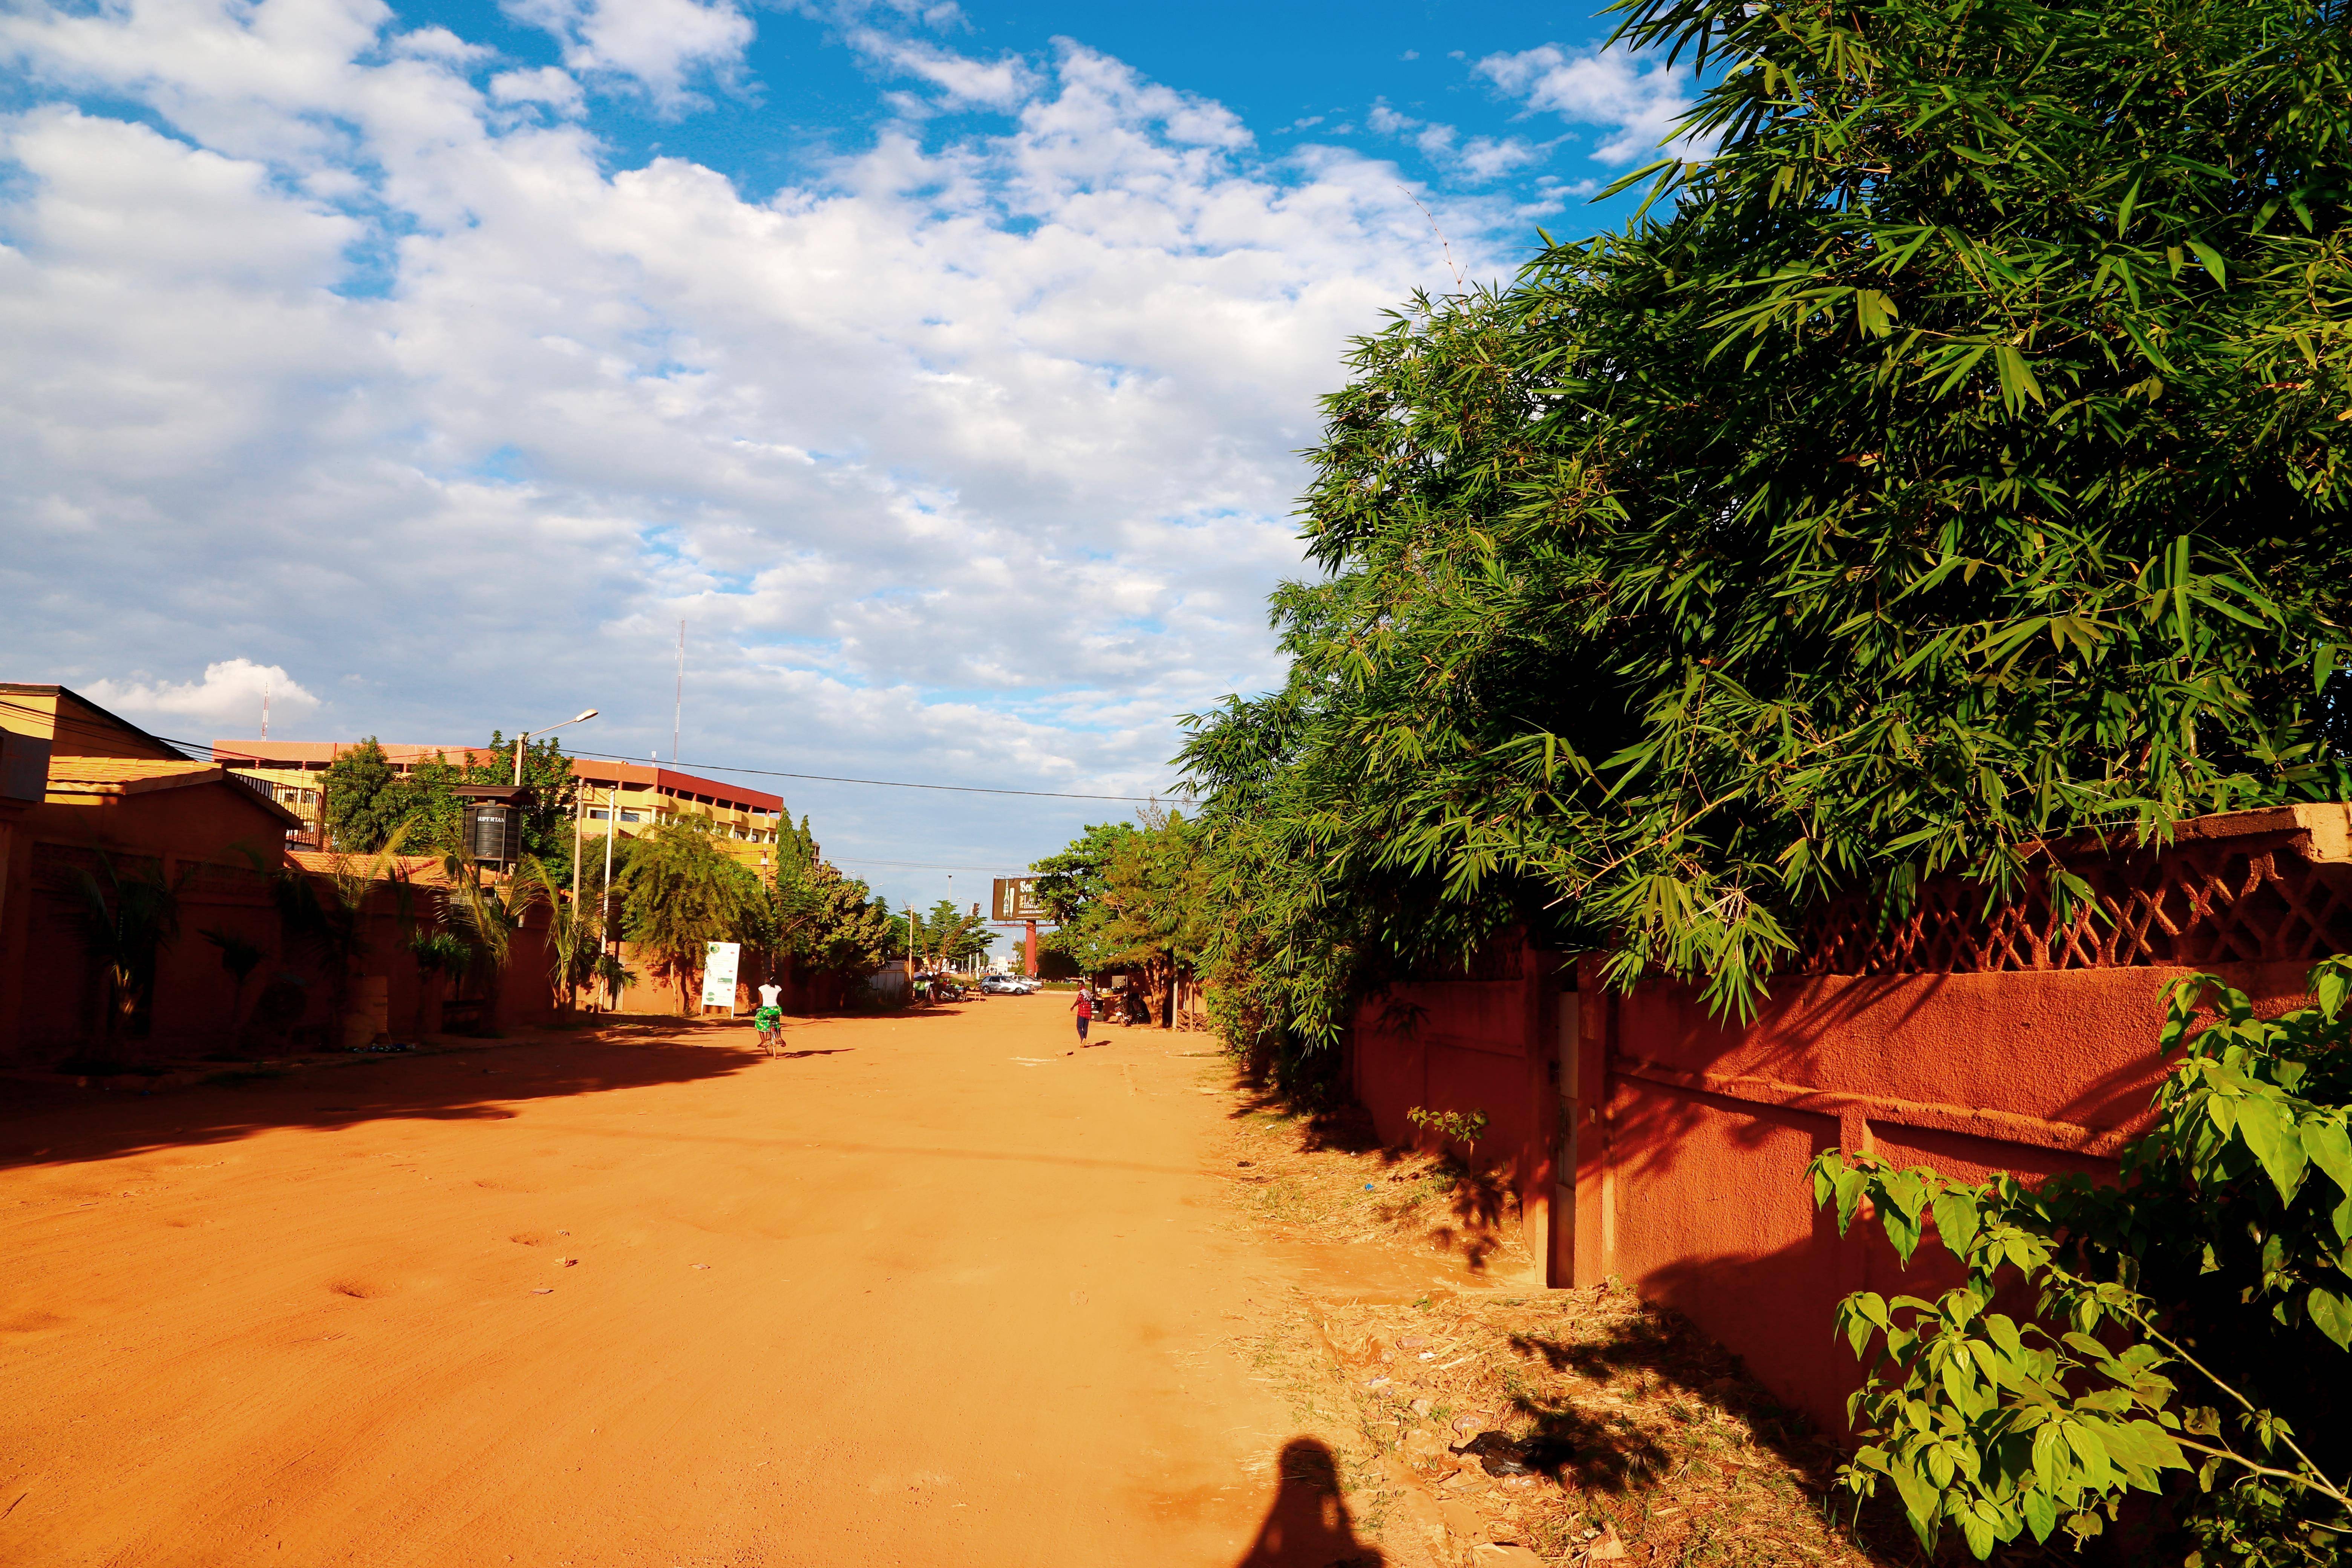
1691, 1138
1468, 1044
1708, 1130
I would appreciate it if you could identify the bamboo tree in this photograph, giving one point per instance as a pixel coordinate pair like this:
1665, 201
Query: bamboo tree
1950, 461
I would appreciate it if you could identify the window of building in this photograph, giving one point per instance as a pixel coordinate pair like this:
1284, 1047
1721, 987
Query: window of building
631, 816
598, 817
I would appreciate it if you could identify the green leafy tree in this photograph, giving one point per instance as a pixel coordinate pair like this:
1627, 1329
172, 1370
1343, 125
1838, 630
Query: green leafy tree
1069, 883
844, 929
364, 801
1135, 896
429, 798
1950, 461
2194, 1319
948, 936
684, 892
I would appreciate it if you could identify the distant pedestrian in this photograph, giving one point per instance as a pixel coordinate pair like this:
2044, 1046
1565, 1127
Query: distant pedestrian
1085, 1009
769, 1021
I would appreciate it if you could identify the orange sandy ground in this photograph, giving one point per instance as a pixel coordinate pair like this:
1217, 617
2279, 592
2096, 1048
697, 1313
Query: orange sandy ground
928, 1291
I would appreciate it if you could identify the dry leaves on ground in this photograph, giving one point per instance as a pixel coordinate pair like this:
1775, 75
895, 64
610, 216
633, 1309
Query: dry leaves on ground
1327, 1176
1622, 1429
1624, 1434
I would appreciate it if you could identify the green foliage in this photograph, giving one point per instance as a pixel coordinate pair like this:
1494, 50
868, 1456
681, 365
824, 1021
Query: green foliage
1131, 894
684, 892
2225, 1258
1953, 464
841, 929
426, 799
1070, 883
363, 800
948, 936
1463, 1127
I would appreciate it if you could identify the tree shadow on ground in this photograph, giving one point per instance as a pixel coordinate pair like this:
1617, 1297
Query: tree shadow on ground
1653, 1351
1659, 1358
51, 1124
1484, 1206
1481, 1204
1335, 1129
1307, 1525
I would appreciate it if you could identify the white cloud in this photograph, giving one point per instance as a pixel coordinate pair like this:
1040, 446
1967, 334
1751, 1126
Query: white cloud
962, 81
1480, 159
661, 45
227, 703
971, 460
558, 89
1636, 104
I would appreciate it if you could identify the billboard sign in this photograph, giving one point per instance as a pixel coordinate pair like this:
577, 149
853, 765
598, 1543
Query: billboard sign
718, 966
1016, 902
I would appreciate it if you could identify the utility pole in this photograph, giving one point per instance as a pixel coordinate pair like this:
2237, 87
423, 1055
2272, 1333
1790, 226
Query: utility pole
604, 908
677, 711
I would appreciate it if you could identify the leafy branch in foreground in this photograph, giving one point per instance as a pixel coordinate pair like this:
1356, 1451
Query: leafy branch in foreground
2221, 1264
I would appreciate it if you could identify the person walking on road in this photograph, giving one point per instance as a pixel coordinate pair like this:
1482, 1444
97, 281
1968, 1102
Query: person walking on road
1085, 1009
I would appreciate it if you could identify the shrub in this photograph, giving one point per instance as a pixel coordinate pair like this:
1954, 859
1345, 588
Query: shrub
2189, 1322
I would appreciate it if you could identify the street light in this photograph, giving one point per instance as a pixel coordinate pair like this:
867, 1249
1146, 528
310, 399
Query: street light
527, 734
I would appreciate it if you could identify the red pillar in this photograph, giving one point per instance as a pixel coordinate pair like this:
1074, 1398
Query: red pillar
1030, 956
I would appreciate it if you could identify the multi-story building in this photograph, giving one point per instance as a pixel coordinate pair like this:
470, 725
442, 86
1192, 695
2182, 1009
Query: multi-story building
624, 797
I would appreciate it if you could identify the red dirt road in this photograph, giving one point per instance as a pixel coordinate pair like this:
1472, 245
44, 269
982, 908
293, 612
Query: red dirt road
939, 1295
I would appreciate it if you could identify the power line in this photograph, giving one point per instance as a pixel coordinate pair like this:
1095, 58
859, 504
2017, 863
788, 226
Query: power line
879, 784
818, 778
924, 865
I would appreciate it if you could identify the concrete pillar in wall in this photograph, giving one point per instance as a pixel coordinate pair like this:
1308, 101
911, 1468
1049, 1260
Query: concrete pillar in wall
1539, 1164
1583, 1237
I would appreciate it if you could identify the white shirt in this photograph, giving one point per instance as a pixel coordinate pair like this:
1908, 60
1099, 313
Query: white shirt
768, 994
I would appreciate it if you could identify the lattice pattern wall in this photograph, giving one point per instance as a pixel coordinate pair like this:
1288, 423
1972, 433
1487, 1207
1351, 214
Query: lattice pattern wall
2190, 904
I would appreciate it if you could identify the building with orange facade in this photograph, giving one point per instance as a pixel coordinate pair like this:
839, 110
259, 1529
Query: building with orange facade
87, 798
624, 797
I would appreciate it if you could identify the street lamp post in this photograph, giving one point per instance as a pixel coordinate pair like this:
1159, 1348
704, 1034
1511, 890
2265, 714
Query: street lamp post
527, 734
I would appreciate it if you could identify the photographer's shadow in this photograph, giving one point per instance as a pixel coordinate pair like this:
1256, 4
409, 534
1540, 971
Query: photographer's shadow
1308, 1527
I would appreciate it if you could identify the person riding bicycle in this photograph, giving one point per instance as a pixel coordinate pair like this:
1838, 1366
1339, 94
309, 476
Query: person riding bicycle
769, 1021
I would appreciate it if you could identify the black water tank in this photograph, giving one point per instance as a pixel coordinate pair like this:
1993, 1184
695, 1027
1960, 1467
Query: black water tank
494, 832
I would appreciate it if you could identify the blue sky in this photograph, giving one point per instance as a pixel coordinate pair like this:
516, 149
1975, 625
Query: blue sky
944, 369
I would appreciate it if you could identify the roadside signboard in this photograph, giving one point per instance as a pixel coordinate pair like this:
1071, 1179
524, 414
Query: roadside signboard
718, 966
1016, 902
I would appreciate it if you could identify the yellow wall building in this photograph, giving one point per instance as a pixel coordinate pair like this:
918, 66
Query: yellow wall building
628, 798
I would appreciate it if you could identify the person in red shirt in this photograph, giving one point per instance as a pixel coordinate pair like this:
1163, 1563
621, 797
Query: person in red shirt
1085, 1009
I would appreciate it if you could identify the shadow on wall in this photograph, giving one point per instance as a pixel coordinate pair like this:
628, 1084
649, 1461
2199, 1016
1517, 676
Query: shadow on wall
1307, 1525
60, 1126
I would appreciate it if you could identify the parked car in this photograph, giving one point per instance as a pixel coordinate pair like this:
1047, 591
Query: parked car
1006, 984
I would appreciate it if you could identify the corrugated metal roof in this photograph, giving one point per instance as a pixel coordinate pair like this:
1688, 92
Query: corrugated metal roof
89, 775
